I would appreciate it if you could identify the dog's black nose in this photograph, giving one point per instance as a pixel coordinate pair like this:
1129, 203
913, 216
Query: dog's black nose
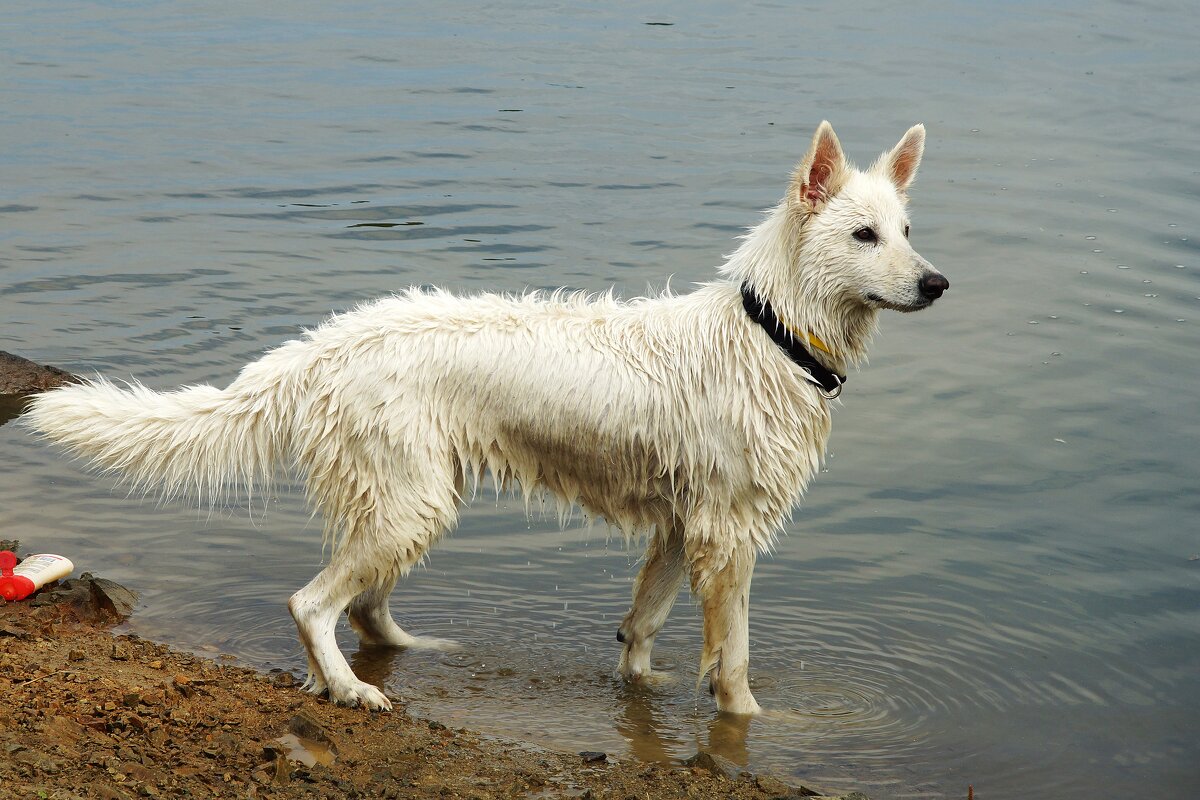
932, 285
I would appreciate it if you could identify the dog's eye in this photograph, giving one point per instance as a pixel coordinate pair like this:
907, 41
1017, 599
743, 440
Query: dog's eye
866, 235
905, 231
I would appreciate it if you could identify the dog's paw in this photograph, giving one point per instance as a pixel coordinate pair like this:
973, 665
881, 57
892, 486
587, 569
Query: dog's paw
358, 693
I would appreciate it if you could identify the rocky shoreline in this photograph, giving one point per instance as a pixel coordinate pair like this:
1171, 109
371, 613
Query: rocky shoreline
90, 714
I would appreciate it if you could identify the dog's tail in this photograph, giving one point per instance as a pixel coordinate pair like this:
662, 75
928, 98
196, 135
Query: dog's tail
198, 439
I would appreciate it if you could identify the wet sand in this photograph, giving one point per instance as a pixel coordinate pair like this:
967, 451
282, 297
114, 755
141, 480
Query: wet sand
90, 714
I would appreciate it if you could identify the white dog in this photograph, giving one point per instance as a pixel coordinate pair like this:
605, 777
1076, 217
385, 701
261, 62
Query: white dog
695, 420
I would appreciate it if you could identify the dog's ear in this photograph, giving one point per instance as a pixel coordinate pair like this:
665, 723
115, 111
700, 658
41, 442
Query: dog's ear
900, 165
822, 172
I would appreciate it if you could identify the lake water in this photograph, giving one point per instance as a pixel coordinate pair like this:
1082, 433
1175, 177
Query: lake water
995, 581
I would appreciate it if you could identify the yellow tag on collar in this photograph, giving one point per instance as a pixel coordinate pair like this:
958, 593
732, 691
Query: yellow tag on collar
817, 343
812, 339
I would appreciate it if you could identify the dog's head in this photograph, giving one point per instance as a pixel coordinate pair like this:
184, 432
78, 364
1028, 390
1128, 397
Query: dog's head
854, 226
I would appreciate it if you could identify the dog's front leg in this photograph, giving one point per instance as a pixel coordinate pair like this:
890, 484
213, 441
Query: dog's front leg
654, 593
723, 586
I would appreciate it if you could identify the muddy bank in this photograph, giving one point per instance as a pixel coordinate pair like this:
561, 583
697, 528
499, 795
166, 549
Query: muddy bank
89, 714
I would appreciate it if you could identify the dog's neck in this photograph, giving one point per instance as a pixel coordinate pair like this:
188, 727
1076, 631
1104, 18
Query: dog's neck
796, 344
837, 329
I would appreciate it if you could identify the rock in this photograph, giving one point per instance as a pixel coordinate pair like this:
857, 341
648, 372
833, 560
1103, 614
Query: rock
279, 771
112, 596
778, 789
183, 684
20, 376
306, 727
12, 545
105, 792
89, 597
590, 756
715, 764
307, 742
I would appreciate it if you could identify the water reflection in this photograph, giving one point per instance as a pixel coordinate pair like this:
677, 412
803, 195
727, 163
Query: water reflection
11, 406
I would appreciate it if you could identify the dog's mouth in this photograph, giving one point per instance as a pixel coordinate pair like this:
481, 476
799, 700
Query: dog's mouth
903, 308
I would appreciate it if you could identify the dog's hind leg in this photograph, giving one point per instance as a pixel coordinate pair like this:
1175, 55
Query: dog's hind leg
390, 521
372, 620
724, 593
654, 593
369, 613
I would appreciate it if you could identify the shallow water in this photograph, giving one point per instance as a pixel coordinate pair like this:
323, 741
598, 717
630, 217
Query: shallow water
994, 582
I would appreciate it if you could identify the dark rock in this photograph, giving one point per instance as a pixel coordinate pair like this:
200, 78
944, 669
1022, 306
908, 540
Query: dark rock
12, 545
778, 790
105, 792
590, 756
715, 764
112, 596
279, 771
306, 727
20, 376
91, 598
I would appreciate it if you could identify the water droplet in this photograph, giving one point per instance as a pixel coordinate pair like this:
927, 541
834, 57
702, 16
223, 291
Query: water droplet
1083, 272
1150, 295
1090, 238
1056, 353
1147, 280
1054, 316
1033, 322
1118, 311
1122, 266
1180, 266
1112, 211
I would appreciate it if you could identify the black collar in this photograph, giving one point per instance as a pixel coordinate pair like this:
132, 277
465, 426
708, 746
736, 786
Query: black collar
761, 312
